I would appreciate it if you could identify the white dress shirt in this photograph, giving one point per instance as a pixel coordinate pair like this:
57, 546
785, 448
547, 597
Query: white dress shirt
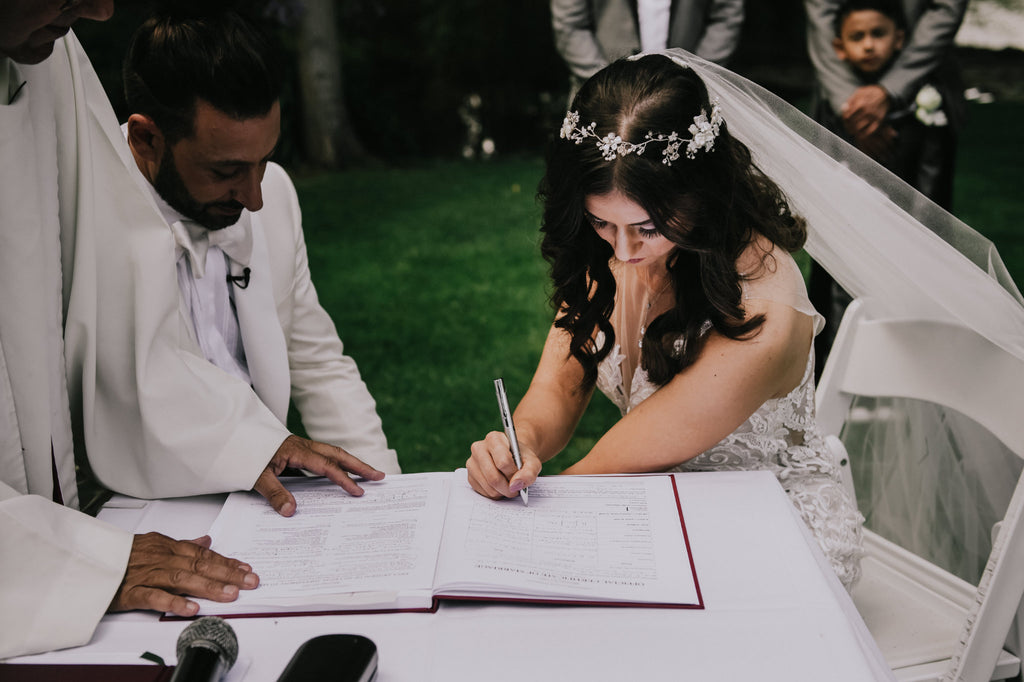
208, 297
654, 18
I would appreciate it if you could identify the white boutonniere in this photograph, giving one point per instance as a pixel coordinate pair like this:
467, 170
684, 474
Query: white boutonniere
928, 107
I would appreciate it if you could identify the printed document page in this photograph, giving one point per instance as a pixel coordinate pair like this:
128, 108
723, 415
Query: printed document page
410, 538
615, 538
342, 551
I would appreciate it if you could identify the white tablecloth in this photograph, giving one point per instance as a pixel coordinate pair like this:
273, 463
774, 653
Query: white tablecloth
773, 611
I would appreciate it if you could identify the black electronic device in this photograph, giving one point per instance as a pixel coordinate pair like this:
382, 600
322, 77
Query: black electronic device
333, 658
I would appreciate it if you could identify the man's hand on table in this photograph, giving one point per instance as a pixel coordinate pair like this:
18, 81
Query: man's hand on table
319, 458
162, 570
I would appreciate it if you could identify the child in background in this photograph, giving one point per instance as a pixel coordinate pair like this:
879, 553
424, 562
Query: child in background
918, 143
869, 35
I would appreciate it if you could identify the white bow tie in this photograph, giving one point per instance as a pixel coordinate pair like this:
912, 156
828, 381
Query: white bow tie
196, 240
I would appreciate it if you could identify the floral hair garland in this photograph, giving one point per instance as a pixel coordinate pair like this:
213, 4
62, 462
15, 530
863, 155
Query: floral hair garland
703, 132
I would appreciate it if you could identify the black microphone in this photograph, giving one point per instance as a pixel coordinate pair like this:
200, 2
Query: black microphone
240, 281
206, 651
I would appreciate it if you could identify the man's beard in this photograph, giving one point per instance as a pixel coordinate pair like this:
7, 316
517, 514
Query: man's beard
171, 188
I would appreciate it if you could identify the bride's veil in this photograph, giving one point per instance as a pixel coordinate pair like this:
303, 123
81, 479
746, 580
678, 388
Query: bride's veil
880, 238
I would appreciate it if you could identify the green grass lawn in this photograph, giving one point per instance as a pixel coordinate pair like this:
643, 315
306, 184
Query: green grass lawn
434, 279
989, 185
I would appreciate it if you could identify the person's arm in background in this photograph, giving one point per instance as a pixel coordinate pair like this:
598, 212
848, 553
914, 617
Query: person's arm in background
861, 108
721, 31
931, 38
929, 43
834, 77
575, 38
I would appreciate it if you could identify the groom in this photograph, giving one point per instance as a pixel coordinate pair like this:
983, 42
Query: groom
207, 323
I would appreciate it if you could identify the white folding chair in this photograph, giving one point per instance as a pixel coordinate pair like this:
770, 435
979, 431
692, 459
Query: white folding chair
929, 623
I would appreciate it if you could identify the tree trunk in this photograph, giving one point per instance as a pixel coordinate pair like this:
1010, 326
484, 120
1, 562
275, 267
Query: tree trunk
328, 138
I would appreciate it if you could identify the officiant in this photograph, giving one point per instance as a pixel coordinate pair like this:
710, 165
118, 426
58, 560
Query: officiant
205, 321
60, 569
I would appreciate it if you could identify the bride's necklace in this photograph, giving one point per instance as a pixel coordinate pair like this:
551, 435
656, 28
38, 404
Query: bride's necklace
647, 309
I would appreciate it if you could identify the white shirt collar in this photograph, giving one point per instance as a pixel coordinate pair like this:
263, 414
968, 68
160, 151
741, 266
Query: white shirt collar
654, 17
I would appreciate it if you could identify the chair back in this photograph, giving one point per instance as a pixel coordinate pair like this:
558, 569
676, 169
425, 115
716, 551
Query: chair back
951, 366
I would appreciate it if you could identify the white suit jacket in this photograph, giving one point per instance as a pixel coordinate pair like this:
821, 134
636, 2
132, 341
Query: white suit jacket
324, 383
927, 53
59, 568
589, 34
291, 346
157, 419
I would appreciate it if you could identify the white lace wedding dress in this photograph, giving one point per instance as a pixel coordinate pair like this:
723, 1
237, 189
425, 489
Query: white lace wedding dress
781, 436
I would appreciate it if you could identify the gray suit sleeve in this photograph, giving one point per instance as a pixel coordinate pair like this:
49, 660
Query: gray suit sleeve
928, 45
835, 78
721, 31
573, 25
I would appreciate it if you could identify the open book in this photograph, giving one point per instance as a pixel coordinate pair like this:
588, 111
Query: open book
415, 538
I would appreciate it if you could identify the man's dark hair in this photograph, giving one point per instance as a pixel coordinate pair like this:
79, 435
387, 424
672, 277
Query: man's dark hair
888, 8
179, 57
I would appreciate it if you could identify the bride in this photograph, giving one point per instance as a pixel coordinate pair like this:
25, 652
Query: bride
679, 299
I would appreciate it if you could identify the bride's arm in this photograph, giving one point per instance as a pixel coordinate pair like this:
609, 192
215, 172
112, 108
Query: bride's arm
547, 415
545, 420
706, 402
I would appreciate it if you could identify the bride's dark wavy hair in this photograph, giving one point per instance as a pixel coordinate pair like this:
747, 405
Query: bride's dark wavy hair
711, 207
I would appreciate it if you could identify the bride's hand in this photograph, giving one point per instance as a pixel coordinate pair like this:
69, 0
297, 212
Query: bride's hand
492, 470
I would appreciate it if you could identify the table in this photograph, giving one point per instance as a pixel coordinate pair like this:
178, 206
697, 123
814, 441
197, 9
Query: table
774, 611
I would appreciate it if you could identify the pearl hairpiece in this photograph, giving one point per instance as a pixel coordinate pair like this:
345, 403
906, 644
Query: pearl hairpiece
703, 132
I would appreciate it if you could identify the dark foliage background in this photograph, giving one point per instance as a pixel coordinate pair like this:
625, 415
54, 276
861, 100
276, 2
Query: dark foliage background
409, 66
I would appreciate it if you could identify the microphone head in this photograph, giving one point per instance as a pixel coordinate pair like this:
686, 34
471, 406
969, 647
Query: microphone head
212, 633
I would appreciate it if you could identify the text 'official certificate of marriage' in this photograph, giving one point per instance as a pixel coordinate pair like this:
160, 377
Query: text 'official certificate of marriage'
414, 538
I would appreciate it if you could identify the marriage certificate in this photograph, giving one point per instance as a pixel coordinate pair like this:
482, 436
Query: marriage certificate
415, 538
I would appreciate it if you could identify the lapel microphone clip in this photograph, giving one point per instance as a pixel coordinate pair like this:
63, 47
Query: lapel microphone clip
240, 281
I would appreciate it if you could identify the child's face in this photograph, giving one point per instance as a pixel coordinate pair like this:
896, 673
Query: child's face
868, 40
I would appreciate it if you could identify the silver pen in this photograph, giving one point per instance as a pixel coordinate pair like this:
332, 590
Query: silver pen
510, 431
